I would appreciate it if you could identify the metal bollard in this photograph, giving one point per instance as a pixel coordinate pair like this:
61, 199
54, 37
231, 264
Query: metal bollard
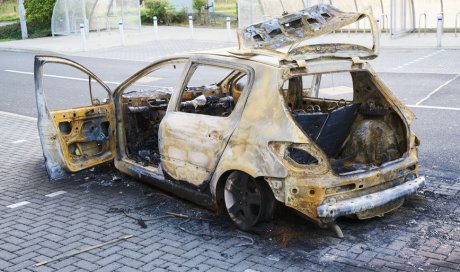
83, 36
423, 15
456, 23
155, 27
190, 23
22, 20
122, 32
107, 24
439, 31
229, 28
98, 28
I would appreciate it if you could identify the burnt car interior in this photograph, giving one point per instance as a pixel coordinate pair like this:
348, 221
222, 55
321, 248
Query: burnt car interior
209, 90
357, 130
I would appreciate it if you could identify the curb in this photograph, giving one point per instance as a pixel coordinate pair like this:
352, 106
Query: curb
34, 51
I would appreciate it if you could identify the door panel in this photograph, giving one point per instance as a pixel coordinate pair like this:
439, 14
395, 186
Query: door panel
201, 119
84, 135
191, 145
77, 138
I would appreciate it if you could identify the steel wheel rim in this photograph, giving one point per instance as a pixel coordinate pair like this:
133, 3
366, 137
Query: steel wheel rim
243, 200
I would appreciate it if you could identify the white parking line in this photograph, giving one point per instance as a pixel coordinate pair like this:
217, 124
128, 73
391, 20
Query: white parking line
62, 77
56, 193
12, 206
436, 90
419, 59
18, 115
433, 107
19, 141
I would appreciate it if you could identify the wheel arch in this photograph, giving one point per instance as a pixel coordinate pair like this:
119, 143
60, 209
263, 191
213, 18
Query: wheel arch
219, 185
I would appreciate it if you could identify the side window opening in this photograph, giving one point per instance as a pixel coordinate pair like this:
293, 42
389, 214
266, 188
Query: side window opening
144, 105
83, 91
213, 91
80, 111
322, 105
318, 93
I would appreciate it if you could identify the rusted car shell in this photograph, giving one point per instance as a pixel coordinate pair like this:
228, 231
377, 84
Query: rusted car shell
253, 139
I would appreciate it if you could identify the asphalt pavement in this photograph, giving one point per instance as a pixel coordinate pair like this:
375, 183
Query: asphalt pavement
414, 75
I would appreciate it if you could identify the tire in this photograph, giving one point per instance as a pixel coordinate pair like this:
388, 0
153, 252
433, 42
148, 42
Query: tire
248, 201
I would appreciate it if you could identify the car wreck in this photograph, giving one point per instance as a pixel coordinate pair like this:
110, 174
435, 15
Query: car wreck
240, 130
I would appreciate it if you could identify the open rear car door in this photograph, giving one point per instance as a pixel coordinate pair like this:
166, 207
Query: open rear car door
77, 138
296, 36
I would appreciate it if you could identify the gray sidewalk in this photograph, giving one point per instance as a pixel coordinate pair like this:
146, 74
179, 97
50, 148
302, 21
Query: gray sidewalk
144, 44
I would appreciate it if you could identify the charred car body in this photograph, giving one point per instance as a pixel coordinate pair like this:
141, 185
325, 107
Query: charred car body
257, 133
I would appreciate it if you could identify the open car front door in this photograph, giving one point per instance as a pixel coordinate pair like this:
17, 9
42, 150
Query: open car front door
77, 138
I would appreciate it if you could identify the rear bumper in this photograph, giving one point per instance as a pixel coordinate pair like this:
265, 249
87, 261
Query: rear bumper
370, 201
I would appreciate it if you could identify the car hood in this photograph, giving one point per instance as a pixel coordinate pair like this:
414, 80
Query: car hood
287, 35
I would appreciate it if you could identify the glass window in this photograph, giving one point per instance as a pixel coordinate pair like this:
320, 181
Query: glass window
213, 90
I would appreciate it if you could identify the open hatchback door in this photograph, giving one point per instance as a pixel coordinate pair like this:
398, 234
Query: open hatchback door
296, 36
77, 138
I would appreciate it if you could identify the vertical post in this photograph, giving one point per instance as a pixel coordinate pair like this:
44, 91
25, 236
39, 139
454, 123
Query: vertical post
67, 18
139, 14
392, 18
22, 19
356, 9
122, 10
107, 23
456, 23
305, 3
252, 12
83, 36
229, 28
155, 27
85, 20
98, 28
442, 13
238, 11
190, 23
439, 30
122, 32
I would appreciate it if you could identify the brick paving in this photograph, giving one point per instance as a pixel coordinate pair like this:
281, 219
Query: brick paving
424, 235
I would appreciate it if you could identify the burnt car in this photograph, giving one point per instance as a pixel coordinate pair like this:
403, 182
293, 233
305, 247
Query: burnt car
310, 126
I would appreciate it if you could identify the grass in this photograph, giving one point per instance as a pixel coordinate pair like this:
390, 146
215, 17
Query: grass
227, 7
9, 10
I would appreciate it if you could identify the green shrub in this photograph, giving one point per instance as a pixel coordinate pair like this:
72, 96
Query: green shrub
145, 19
39, 11
198, 6
180, 16
34, 29
162, 9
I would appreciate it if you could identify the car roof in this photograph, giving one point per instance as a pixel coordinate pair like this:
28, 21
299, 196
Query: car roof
232, 53
277, 61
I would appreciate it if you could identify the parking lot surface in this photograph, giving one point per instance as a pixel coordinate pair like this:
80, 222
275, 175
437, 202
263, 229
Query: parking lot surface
41, 220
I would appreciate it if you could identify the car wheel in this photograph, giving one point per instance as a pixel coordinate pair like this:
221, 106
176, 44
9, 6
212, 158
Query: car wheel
247, 200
